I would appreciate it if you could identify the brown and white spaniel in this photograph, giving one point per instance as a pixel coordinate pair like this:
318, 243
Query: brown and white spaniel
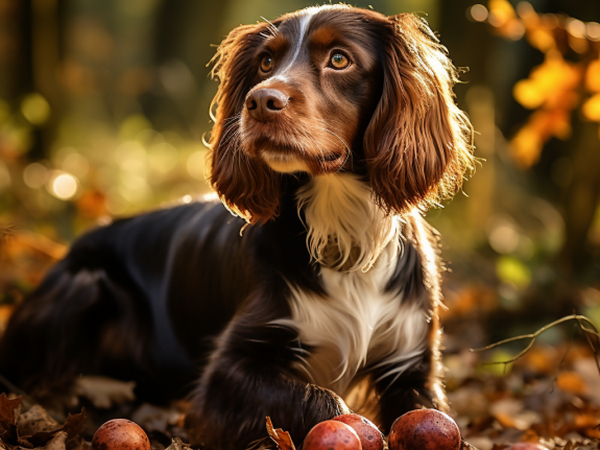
335, 129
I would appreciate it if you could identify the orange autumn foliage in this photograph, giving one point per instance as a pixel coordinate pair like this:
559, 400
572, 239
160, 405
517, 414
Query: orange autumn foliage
557, 87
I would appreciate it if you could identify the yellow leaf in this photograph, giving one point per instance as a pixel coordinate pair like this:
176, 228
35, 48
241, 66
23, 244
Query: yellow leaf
542, 39
502, 9
591, 108
526, 146
552, 84
528, 94
592, 76
511, 270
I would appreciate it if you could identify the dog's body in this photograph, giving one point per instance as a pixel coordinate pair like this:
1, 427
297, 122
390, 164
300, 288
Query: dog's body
333, 126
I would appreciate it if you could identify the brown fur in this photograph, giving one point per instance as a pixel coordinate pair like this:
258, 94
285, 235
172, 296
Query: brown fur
249, 188
418, 144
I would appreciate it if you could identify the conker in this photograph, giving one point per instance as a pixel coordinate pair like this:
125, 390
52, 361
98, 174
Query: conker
120, 434
369, 435
331, 435
424, 429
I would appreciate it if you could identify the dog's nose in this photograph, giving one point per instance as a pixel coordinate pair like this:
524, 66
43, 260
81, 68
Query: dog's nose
264, 104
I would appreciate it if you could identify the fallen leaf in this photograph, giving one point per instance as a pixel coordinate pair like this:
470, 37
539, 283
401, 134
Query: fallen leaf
74, 424
464, 445
480, 443
570, 381
282, 439
36, 420
9, 409
177, 444
57, 442
587, 369
152, 417
104, 392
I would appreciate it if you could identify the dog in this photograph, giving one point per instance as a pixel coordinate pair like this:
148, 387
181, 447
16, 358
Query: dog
335, 128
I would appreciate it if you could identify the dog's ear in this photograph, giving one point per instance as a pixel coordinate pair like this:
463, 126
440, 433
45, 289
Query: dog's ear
418, 144
245, 184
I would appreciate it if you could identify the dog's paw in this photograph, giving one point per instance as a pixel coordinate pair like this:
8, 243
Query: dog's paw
321, 404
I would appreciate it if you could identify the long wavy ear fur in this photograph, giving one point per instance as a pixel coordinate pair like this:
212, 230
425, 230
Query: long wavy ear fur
245, 184
418, 144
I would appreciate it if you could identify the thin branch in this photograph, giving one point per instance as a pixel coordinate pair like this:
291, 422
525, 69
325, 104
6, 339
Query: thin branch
579, 318
587, 333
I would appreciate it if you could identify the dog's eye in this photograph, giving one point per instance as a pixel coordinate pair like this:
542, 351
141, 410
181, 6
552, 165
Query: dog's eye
266, 64
339, 61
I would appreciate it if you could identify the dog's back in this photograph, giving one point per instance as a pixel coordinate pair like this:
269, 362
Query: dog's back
107, 307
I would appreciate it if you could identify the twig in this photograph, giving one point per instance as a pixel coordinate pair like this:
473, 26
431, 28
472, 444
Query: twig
579, 318
587, 333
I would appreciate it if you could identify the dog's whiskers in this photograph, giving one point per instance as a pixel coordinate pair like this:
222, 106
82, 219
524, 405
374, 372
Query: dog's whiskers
272, 28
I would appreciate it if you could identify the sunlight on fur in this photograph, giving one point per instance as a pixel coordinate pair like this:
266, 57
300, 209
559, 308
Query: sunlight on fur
340, 212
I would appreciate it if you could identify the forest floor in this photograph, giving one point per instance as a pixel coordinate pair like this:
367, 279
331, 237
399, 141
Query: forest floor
549, 396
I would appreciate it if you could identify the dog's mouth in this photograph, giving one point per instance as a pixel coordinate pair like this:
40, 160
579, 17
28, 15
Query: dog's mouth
287, 146
286, 160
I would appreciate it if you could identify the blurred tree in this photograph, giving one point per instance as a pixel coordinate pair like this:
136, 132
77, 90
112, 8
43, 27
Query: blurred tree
186, 33
561, 91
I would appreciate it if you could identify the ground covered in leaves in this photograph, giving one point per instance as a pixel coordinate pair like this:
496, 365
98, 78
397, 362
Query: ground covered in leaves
549, 396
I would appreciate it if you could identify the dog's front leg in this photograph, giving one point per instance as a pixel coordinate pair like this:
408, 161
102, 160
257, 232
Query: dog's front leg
419, 385
249, 377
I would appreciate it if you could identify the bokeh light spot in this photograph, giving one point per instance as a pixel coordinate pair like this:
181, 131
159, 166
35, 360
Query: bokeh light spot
35, 175
592, 31
195, 165
64, 186
591, 108
576, 28
479, 13
35, 108
76, 164
502, 234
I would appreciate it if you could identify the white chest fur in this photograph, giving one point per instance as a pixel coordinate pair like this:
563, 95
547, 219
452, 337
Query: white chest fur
357, 323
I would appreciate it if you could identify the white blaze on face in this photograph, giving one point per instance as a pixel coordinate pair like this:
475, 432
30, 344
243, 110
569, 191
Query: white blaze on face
283, 162
299, 39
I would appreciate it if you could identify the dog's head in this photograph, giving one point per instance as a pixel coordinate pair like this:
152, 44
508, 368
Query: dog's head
337, 88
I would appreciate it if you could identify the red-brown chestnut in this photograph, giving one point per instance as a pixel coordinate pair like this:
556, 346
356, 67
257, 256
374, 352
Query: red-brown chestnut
424, 429
369, 435
332, 435
120, 434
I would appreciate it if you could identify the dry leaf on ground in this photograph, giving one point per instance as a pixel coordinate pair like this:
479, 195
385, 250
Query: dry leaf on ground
104, 392
282, 439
